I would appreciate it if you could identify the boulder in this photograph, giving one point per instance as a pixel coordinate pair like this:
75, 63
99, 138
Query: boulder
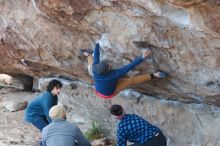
15, 105
99, 142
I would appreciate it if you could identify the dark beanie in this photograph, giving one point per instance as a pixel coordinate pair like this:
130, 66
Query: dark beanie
116, 110
101, 68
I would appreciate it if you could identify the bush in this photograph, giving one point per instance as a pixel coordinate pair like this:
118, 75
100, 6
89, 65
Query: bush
95, 132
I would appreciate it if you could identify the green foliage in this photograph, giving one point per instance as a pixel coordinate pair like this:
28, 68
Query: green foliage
95, 132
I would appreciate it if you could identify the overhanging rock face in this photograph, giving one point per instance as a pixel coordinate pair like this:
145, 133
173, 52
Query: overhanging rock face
185, 37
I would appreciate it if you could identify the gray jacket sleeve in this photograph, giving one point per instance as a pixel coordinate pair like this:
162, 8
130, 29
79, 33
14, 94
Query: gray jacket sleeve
81, 140
43, 137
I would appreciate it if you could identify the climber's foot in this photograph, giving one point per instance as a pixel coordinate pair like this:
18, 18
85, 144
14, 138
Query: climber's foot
160, 74
84, 52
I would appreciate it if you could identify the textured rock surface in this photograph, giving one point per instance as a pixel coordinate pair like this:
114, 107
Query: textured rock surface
49, 33
99, 142
5, 79
19, 82
15, 105
183, 124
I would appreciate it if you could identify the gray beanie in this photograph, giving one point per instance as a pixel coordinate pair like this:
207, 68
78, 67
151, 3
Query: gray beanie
101, 68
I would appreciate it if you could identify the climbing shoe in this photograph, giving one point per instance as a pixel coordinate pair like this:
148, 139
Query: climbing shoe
160, 74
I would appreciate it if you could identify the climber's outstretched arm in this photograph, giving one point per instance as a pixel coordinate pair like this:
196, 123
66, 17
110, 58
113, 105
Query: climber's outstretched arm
96, 54
122, 71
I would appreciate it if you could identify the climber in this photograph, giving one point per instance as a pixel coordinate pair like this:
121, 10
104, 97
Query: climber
60, 132
37, 111
135, 129
109, 82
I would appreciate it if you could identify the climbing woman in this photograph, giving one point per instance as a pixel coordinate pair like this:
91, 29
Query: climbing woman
109, 82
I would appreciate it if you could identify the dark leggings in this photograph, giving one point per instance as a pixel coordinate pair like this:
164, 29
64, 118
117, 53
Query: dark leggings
159, 140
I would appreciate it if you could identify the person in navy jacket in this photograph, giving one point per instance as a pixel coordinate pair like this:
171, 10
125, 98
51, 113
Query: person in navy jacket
136, 130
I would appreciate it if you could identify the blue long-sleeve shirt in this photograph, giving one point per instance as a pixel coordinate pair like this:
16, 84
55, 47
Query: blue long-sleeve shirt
135, 129
40, 106
106, 83
63, 133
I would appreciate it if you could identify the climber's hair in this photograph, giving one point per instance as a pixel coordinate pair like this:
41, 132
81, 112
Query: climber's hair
116, 110
102, 67
54, 83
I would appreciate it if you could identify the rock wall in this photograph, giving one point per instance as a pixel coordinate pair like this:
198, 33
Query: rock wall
42, 38
183, 124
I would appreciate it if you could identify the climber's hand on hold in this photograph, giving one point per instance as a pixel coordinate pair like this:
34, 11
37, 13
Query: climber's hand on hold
146, 53
98, 39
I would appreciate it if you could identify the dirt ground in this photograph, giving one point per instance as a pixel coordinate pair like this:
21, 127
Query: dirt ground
13, 130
